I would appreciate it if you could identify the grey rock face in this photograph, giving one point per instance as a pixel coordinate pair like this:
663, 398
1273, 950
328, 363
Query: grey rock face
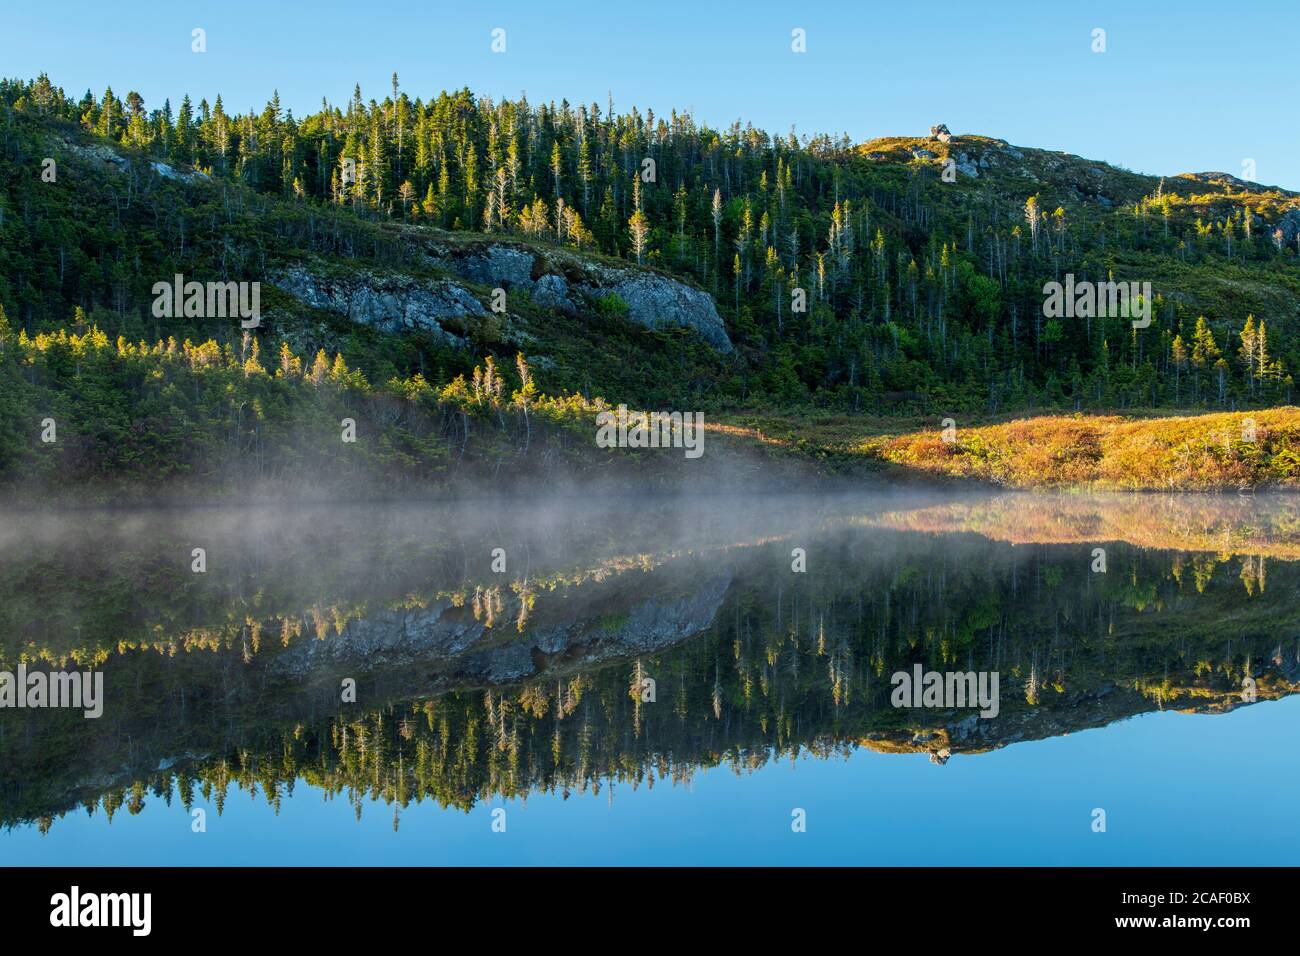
170, 172
391, 304
965, 727
654, 625
501, 665
940, 133
552, 292
658, 303
966, 167
654, 301
103, 154
1290, 226
120, 163
499, 266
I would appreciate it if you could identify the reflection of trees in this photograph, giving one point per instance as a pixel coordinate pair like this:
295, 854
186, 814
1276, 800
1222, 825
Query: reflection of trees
792, 665
280, 579
80, 608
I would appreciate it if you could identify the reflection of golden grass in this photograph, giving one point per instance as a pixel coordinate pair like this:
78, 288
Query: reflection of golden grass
935, 738
1228, 525
1202, 452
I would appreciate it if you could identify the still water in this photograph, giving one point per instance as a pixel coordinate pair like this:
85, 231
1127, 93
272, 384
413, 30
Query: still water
659, 680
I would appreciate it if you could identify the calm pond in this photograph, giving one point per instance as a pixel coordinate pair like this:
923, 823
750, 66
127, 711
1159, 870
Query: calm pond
658, 680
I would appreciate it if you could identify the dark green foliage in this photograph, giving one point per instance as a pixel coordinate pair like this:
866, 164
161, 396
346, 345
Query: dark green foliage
921, 294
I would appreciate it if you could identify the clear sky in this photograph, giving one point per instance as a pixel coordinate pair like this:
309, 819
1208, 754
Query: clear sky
1183, 85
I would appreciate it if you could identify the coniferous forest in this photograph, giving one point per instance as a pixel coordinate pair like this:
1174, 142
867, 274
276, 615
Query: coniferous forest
897, 277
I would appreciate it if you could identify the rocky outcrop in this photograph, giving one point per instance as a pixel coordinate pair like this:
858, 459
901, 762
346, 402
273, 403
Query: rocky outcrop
115, 161
1289, 225
171, 172
940, 133
552, 292
658, 302
387, 303
556, 279
967, 167
569, 282
497, 265
99, 153
384, 639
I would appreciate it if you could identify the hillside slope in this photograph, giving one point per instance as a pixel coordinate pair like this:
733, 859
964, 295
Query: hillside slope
916, 291
662, 264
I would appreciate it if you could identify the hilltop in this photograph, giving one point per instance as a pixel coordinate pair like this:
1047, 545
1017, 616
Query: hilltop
405, 245
1015, 169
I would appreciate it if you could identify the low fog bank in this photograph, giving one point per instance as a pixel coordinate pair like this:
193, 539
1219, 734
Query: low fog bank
546, 461
271, 523
558, 525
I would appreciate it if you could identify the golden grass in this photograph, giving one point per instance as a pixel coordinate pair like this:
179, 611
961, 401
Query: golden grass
1225, 451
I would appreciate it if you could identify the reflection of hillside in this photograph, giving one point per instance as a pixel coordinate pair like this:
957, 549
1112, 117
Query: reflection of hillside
1264, 526
120, 585
751, 663
124, 585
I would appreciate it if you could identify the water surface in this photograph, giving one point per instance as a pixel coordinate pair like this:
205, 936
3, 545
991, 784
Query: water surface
652, 680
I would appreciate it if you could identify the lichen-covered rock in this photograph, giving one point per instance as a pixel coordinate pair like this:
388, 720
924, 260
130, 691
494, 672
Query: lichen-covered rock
103, 154
171, 172
559, 278
1290, 226
499, 265
552, 292
658, 302
966, 167
387, 303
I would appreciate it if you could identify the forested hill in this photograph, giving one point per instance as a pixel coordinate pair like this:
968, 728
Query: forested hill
922, 260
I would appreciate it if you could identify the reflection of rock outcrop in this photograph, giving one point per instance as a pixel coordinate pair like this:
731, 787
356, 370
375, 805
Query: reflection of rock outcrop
394, 655
449, 648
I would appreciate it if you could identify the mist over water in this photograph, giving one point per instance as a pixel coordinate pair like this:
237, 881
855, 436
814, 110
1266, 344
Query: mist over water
515, 653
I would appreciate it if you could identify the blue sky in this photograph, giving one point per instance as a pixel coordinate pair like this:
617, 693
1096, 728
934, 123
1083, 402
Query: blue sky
1186, 85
